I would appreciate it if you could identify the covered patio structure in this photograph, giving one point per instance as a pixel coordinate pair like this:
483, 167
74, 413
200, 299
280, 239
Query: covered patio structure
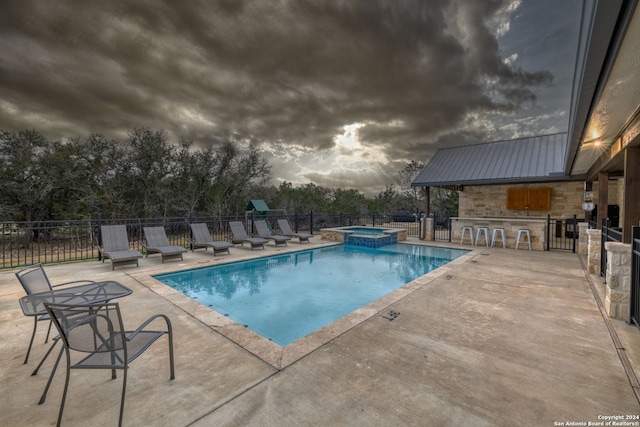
602, 144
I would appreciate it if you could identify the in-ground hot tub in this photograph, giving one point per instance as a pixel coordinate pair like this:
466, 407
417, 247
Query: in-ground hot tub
373, 237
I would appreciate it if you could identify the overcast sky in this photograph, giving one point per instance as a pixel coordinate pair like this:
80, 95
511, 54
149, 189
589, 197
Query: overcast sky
341, 93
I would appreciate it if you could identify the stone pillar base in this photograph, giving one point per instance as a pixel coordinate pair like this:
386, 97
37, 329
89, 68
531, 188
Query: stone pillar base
594, 250
618, 290
427, 229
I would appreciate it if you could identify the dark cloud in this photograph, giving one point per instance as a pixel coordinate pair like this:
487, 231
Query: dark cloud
292, 73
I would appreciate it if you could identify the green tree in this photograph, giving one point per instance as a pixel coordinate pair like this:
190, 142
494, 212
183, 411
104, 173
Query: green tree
150, 159
411, 198
67, 180
236, 176
443, 202
349, 202
24, 184
387, 201
191, 181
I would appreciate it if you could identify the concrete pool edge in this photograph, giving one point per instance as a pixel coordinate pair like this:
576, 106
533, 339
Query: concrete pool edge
273, 354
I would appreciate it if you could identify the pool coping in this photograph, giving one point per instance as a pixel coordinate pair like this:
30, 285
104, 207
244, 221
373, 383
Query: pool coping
282, 356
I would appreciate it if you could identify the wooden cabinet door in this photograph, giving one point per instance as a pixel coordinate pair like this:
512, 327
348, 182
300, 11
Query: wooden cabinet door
533, 199
539, 199
517, 198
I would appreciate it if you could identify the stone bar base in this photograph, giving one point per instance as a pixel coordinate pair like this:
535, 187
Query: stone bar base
511, 226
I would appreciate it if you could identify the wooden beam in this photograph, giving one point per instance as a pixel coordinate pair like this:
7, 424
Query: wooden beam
631, 208
427, 202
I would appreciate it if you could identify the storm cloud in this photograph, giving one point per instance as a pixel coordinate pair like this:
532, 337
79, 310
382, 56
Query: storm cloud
338, 93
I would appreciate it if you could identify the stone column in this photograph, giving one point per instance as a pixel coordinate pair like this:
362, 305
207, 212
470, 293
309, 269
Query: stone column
618, 290
594, 250
427, 227
583, 238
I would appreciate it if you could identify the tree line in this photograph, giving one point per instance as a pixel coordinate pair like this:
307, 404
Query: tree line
148, 176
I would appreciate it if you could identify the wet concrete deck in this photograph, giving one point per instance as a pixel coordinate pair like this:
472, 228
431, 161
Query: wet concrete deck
498, 338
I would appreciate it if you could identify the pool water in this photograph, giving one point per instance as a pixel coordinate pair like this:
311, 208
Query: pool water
285, 297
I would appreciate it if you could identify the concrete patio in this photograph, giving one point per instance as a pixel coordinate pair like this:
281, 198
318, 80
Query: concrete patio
497, 338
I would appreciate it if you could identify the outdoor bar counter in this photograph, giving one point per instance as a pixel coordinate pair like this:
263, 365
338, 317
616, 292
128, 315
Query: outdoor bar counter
511, 225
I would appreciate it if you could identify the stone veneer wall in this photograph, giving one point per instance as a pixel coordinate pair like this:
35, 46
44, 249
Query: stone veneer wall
618, 289
566, 199
491, 200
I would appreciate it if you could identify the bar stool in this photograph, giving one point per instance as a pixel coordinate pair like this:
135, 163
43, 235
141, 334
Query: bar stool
479, 232
502, 238
470, 230
523, 231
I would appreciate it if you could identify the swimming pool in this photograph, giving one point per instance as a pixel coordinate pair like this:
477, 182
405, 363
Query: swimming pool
285, 297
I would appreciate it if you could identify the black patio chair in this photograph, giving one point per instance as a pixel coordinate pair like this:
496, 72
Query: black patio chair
34, 280
94, 338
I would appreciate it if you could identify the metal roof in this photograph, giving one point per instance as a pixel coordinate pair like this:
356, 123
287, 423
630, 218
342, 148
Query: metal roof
257, 205
605, 28
539, 158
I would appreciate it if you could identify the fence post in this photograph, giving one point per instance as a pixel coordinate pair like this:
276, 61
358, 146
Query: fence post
190, 231
99, 236
373, 219
311, 221
575, 233
548, 230
603, 250
634, 306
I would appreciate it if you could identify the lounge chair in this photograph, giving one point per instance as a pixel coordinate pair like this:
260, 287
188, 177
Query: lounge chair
157, 243
115, 246
202, 239
94, 338
265, 233
286, 231
240, 236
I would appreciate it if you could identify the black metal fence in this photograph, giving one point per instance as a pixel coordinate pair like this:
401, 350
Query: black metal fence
609, 234
562, 233
442, 229
634, 317
47, 242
